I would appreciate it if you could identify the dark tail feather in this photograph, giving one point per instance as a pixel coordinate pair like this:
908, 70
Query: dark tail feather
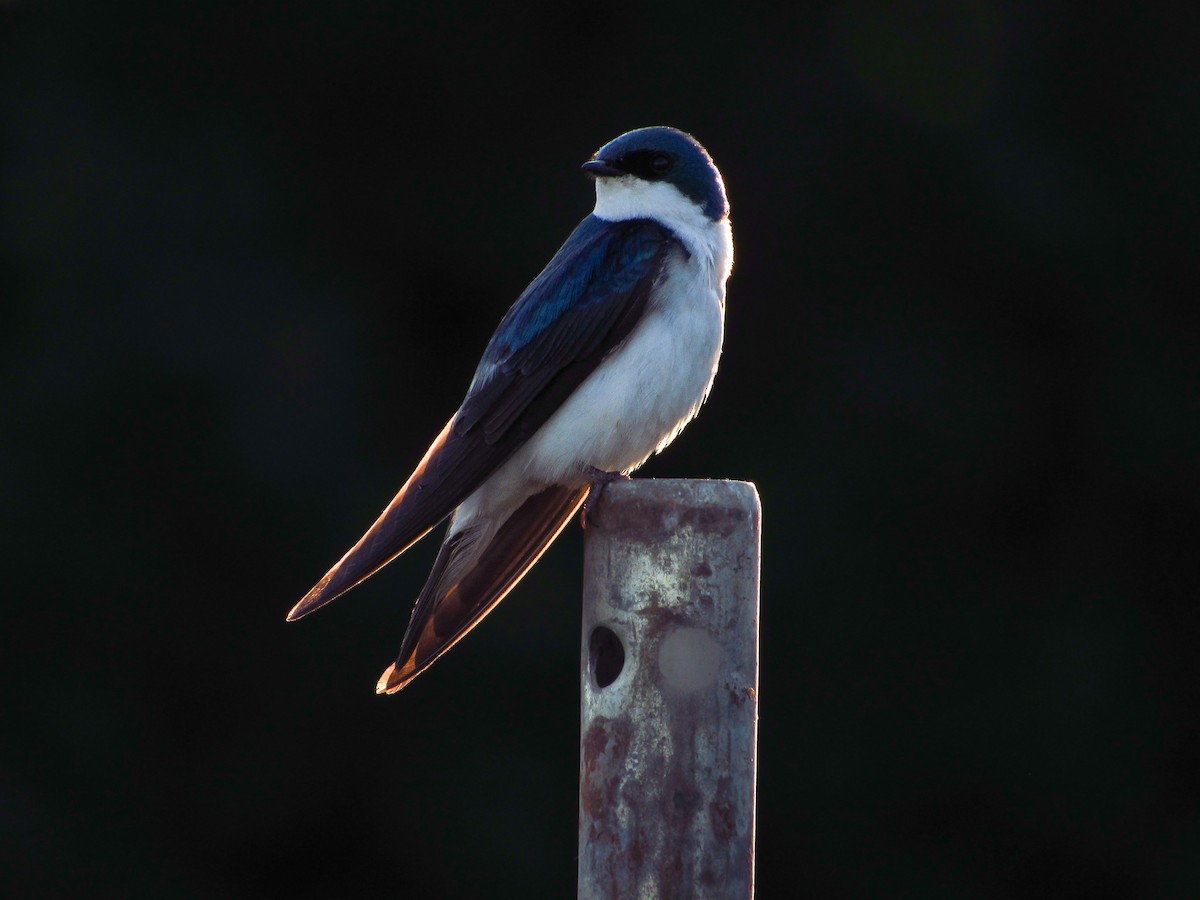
406, 520
460, 592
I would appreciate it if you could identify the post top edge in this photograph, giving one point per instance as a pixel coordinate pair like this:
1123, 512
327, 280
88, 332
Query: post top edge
685, 491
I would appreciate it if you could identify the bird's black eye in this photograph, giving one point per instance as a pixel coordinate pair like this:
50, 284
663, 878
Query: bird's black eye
648, 164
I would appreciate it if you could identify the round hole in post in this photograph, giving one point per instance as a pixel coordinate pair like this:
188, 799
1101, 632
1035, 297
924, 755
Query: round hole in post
607, 655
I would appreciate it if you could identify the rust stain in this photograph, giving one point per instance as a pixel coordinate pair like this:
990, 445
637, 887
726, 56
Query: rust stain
644, 523
637, 853
673, 882
659, 620
721, 813
718, 520
604, 747
653, 523
596, 738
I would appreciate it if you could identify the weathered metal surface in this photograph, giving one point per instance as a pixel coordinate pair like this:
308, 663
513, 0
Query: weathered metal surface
668, 733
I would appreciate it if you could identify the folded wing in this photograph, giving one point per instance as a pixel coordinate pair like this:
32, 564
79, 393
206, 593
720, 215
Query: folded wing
583, 305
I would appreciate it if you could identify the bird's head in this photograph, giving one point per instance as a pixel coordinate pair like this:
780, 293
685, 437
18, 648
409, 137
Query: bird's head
655, 167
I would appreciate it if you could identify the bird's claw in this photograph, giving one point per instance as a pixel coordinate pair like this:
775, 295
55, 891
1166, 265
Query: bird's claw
600, 480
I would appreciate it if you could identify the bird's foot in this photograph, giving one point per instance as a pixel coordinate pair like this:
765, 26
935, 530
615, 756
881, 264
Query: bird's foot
600, 480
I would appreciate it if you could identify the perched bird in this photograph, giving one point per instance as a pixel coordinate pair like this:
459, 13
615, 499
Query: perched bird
599, 364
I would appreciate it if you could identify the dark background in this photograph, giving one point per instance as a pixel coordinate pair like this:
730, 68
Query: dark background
250, 255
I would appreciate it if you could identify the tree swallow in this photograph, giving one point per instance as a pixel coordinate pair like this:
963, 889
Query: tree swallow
599, 364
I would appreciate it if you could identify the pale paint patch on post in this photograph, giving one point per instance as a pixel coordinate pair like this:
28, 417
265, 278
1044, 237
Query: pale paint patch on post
669, 690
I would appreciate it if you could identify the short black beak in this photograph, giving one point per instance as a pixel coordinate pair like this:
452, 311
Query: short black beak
600, 168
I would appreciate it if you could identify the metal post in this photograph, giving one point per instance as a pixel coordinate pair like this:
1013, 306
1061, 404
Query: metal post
669, 690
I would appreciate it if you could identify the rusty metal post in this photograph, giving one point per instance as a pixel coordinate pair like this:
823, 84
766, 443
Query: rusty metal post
669, 690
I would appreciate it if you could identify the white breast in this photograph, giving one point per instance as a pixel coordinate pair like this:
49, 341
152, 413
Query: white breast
640, 397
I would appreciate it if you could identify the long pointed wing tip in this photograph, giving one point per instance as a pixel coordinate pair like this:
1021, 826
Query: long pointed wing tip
304, 607
316, 598
392, 680
385, 685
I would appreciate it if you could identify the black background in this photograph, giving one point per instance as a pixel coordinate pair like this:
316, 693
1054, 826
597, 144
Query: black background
250, 255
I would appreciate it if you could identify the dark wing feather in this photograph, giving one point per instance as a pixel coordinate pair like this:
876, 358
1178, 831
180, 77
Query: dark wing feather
579, 308
582, 305
449, 607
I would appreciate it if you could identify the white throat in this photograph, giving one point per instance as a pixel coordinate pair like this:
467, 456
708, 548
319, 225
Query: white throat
627, 197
